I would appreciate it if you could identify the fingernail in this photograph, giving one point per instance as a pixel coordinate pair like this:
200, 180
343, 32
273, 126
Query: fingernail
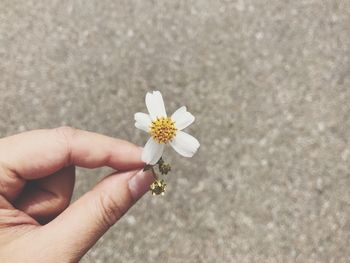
139, 183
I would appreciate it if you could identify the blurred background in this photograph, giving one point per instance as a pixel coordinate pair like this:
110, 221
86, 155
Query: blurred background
268, 82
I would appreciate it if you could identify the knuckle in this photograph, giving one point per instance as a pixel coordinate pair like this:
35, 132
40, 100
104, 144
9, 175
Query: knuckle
109, 210
66, 131
65, 134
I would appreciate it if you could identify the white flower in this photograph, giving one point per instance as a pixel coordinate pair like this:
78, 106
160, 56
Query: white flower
164, 129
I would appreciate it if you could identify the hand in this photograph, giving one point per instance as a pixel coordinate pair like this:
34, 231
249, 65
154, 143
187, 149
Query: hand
37, 174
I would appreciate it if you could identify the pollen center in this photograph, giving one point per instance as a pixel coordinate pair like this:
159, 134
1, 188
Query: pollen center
163, 129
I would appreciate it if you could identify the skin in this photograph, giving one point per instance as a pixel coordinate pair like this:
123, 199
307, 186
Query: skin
37, 174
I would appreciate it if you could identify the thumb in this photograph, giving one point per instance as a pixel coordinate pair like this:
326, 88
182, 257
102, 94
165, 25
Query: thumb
79, 227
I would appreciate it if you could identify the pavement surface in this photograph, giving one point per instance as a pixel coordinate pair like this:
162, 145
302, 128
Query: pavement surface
269, 84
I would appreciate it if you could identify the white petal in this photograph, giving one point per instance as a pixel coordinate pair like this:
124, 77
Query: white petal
142, 121
155, 104
152, 152
182, 118
185, 144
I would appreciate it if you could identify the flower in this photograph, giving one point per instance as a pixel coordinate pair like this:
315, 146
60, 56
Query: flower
164, 129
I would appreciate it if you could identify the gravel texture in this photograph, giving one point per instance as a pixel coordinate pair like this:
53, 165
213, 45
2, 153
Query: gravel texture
268, 82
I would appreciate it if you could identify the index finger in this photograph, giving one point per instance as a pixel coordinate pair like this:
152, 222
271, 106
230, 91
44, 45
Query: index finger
38, 153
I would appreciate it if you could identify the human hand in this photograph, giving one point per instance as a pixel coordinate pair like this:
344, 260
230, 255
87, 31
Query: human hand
37, 174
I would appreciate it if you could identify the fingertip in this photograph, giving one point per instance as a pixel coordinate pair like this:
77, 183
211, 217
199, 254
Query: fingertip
139, 184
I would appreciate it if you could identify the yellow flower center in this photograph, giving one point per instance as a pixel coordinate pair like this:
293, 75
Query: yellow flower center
163, 129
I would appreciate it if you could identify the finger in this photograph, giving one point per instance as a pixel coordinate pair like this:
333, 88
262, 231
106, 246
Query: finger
46, 198
86, 220
39, 153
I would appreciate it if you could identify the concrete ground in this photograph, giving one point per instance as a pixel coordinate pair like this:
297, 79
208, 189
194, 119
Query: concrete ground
269, 83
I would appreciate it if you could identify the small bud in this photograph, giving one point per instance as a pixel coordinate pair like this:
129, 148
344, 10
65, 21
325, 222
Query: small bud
158, 187
165, 168
161, 161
